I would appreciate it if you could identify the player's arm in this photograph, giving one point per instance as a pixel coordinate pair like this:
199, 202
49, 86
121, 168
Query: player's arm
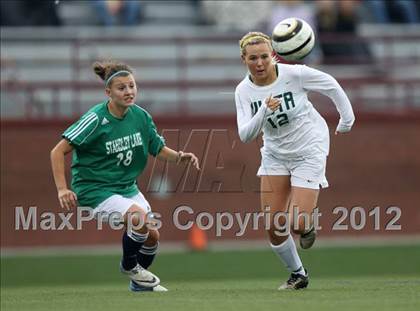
158, 149
325, 84
170, 155
250, 126
66, 197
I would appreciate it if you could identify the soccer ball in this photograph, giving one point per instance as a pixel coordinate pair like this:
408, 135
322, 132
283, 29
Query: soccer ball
293, 39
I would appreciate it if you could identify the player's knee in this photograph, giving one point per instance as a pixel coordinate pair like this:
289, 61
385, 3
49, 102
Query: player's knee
277, 237
135, 218
279, 224
138, 220
300, 226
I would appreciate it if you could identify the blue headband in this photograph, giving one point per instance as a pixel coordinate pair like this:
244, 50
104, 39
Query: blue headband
114, 75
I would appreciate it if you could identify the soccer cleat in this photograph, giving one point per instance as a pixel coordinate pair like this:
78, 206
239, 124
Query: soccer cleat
134, 287
296, 281
141, 276
307, 239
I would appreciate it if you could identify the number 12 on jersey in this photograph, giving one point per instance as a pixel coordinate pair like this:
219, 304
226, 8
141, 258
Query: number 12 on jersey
282, 119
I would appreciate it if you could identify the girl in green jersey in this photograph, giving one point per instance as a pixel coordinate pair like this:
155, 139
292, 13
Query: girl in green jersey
110, 145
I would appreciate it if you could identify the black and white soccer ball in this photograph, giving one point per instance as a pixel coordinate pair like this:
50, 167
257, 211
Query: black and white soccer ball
293, 39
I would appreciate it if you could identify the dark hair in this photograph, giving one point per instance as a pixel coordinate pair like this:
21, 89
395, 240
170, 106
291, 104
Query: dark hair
107, 68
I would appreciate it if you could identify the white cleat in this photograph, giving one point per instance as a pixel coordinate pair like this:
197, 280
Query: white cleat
160, 288
134, 287
296, 281
141, 276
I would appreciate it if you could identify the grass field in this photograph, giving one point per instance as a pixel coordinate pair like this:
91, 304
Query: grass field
374, 278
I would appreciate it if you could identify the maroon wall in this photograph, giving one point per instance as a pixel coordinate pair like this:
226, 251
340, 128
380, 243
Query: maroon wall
376, 165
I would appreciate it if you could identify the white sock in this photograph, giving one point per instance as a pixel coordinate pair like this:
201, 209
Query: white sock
287, 252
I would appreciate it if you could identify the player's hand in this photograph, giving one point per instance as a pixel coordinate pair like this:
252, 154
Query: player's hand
188, 157
273, 103
342, 129
67, 198
340, 133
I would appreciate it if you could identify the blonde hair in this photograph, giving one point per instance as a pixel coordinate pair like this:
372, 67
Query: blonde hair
253, 37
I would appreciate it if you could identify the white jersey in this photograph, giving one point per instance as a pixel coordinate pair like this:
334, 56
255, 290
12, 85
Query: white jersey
295, 129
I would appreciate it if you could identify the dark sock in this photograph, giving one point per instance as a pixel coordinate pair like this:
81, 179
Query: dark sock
131, 244
146, 255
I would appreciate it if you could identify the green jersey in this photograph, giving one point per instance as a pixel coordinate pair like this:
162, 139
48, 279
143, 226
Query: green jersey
109, 153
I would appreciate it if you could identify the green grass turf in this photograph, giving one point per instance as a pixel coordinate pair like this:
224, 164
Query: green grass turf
378, 278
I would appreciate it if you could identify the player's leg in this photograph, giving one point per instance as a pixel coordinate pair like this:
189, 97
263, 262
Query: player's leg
147, 252
135, 236
308, 176
302, 204
303, 200
133, 216
275, 194
145, 257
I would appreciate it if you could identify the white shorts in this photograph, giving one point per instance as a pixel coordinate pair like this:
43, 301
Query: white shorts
118, 205
305, 172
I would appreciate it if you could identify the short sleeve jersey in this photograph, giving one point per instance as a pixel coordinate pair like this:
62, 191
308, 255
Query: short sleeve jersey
110, 153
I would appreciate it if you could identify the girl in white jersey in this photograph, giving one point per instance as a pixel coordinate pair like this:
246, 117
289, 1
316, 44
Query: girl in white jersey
272, 99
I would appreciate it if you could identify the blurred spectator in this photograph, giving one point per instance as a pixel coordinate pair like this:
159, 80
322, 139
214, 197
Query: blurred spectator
243, 16
29, 13
117, 12
283, 9
199, 17
337, 26
394, 11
